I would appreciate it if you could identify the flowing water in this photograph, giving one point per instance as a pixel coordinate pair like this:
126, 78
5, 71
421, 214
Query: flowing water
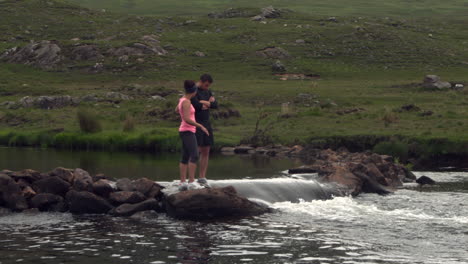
411, 226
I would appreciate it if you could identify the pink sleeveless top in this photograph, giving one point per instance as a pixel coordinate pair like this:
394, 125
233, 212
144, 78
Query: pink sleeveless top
184, 126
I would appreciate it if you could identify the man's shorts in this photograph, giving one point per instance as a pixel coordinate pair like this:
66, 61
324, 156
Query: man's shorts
203, 139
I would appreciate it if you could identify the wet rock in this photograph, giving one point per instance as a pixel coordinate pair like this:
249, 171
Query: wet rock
63, 173
82, 181
424, 180
27, 175
48, 202
302, 170
43, 54
433, 82
130, 209
211, 203
124, 184
150, 214
53, 184
145, 186
125, 197
104, 187
273, 53
12, 196
28, 192
86, 52
82, 202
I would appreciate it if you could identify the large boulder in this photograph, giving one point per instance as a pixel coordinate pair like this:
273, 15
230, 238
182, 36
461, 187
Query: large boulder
53, 184
12, 196
211, 203
104, 187
124, 184
270, 12
82, 180
125, 197
63, 173
147, 187
83, 202
48, 202
130, 209
43, 54
27, 175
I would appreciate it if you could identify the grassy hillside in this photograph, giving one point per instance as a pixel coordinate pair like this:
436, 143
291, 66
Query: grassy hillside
370, 63
377, 8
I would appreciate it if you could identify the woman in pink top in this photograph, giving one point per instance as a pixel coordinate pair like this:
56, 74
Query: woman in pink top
187, 129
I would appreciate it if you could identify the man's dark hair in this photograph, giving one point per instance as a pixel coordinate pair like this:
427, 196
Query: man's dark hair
206, 78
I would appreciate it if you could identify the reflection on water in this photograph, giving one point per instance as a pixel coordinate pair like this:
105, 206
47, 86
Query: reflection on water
136, 165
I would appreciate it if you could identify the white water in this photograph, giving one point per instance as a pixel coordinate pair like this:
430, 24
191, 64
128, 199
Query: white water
406, 227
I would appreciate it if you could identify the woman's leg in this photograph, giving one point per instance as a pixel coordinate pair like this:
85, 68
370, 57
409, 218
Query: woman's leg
183, 165
183, 171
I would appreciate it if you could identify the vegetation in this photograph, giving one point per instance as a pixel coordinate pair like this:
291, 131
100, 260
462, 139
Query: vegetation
371, 57
89, 123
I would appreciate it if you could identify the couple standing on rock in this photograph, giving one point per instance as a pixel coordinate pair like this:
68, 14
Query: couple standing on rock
195, 130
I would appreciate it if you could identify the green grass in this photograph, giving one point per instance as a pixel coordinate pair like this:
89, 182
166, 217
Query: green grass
366, 60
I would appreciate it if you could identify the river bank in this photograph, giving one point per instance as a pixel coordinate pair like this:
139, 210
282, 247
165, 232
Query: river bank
419, 153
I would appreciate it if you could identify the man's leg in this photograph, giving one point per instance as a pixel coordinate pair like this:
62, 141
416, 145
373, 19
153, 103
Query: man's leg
204, 158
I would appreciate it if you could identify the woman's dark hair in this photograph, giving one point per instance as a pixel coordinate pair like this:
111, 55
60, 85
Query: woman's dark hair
189, 86
206, 78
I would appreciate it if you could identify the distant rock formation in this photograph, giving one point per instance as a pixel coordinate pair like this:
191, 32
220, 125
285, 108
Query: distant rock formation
44, 54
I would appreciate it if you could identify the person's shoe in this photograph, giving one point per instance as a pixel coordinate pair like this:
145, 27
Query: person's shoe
194, 186
183, 186
203, 182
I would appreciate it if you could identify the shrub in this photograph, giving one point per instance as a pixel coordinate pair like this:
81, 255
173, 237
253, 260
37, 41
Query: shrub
129, 124
89, 123
390, 118
396, 149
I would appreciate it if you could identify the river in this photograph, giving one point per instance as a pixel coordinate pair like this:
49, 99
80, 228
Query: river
410, 226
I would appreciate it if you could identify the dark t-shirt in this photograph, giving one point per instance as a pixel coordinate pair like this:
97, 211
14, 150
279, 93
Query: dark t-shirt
203, 116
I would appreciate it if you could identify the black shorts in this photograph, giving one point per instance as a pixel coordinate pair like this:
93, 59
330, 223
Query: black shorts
203, 139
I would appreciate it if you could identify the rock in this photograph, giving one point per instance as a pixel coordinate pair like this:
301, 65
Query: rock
270, 12
200, 54
300, 41
157, 98
424, 180
82, 181
229, 13
273, 53
28, 192
48, 202
104, 187
86, 203
145, 186
49, 102
125, 184
53, 184
278, 67
243, 149
458, 87
211, 203
12, 196
117, 97
150, 214
63, 173
228, 150
125, 197
28, 175
43, 54
258, 18
130, 209
433, 82
86, 52
333, 19
149, 47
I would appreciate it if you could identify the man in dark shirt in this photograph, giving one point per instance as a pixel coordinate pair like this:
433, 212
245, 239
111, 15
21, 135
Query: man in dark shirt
203, 102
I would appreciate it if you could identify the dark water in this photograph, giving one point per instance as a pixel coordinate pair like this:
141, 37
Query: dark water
410, 226
137, 165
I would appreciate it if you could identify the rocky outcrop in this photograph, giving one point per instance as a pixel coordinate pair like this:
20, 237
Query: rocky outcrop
433, 82
229, 13
86, 52
273, 53
149, 45
358, 172
211, 203
43, 54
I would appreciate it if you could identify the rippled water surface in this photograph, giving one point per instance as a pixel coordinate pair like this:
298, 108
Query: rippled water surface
411, 226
